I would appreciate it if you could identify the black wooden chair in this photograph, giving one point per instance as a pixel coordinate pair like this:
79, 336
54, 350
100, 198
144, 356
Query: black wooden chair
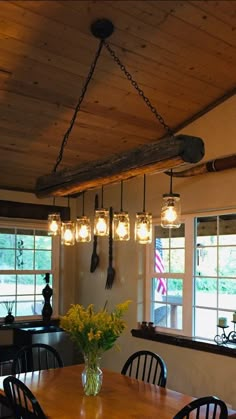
21, 400
7, 353
36, 357
210, 406
146, 366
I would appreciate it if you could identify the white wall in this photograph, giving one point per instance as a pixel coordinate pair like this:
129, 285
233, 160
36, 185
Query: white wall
189, 371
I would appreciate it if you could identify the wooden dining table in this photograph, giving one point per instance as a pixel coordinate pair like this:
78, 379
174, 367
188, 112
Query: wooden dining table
60, 394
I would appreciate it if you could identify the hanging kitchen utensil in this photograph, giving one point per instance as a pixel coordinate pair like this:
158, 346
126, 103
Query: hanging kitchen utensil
95, 257
110, 270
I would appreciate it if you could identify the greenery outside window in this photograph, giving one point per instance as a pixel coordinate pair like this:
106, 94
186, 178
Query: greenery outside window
26, 254
191, 275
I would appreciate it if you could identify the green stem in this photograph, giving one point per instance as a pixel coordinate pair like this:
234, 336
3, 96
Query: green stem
92, 375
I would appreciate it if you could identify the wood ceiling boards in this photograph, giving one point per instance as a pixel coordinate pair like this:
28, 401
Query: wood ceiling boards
181, 53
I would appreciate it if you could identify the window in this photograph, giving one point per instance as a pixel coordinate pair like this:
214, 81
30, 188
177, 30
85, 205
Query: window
26, 254
167, 277
191, 275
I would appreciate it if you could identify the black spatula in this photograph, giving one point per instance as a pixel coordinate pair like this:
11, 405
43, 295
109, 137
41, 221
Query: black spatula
110, 270
94, 258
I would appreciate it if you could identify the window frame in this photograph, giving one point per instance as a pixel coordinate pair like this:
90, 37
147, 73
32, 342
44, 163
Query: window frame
187, 289
188, 275
55, 269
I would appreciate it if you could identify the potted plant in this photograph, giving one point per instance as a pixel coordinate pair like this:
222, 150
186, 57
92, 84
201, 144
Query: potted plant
9, 306
94, 333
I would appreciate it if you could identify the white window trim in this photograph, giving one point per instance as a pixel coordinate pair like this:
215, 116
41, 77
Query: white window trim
188, 291
37, 225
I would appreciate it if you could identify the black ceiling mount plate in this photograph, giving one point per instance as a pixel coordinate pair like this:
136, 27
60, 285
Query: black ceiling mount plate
102, 28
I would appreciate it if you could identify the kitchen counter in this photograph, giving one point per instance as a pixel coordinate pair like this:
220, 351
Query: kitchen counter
14, 336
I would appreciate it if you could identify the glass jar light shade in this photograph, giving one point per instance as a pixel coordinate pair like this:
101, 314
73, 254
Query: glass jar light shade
54, 224
121, 226
171, 211
101, 222
68, 233
143, 228
83, 229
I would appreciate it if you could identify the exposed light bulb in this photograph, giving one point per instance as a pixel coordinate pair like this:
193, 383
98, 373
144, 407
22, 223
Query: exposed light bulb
101, 225
121, 226
121, 229
54, 224
68, 234
143, 227
53, 227
83, 229
101, 222
142, 231
83, 232
170, 213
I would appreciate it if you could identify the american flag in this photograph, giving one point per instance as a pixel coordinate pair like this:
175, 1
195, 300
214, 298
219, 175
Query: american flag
159, 267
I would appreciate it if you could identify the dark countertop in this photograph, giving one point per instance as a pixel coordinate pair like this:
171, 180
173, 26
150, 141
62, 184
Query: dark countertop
33, 326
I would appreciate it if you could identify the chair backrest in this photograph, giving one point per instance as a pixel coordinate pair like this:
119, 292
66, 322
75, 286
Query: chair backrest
209, 407
36, 357
21, 400
146, 366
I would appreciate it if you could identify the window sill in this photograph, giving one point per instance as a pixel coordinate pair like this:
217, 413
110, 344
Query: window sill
185, 342
29, 324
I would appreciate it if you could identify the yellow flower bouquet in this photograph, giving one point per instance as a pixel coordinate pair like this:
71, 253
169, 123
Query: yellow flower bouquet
94, 333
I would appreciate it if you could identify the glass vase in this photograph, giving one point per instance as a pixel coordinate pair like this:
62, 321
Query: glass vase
92, 374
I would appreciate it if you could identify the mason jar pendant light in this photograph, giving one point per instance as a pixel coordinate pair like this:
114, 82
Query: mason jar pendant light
121, 223
68, 232
54, 223
83, 227
101, 220
143, 223
102, 29
171, 208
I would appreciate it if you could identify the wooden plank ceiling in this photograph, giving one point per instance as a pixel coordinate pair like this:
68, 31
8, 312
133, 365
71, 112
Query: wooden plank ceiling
182, 54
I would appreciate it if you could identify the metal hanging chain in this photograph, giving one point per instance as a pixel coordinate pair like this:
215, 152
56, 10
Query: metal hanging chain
140, 91
84, 89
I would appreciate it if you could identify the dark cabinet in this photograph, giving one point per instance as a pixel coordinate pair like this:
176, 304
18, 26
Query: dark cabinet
50, 335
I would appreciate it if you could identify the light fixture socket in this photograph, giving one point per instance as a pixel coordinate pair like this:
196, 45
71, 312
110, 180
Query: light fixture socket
83, 229
68, 233
101, 222
121, 226
102, 28
171, 211
143, 227
54, 224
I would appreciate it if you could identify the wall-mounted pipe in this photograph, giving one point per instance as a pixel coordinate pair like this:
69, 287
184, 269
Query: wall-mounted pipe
216, 165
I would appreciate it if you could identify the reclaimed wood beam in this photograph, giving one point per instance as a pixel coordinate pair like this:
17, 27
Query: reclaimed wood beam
12, 209
166, 153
